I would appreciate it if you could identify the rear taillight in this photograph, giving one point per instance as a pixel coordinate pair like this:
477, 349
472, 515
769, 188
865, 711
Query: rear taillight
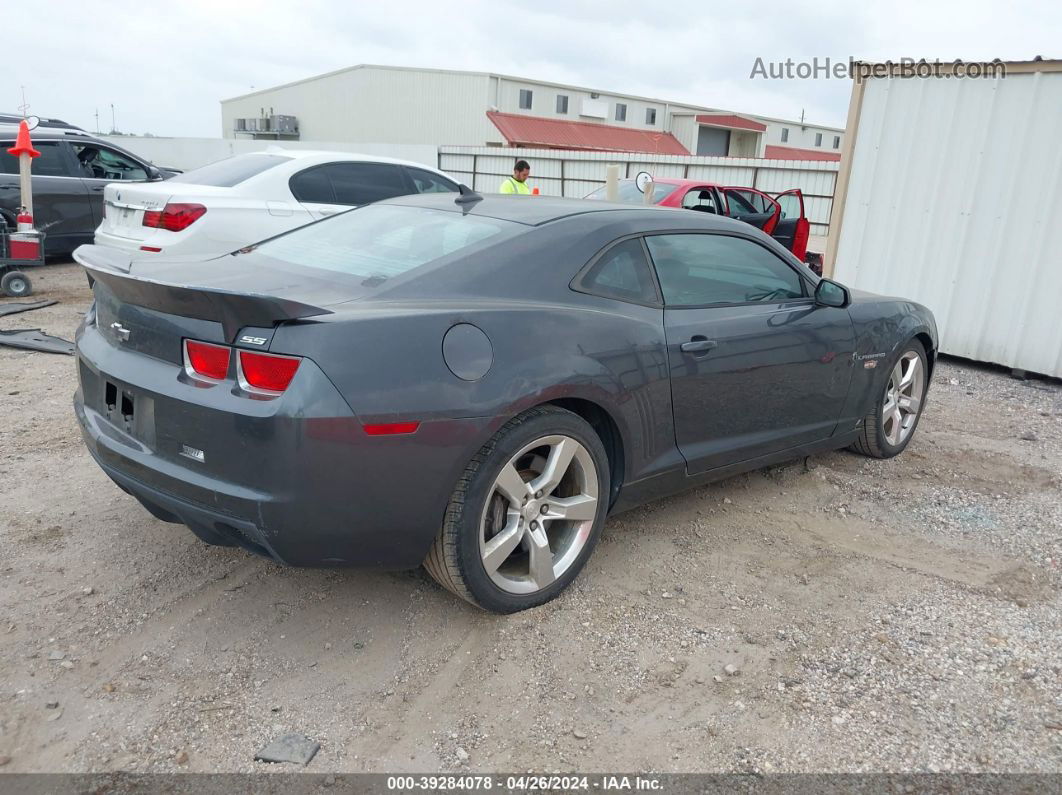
204, 359
267, 371
174, 216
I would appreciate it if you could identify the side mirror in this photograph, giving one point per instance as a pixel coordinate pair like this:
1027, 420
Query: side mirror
830, 293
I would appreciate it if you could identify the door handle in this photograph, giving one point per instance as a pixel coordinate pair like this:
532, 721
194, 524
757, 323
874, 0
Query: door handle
698, 344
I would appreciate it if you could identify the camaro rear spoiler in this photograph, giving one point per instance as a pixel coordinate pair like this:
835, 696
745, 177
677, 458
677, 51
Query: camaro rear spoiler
233, 309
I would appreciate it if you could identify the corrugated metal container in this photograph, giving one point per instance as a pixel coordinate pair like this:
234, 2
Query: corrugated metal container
950, 194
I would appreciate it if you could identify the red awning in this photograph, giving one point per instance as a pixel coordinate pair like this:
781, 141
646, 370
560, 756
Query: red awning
730, 121
521, 130
793, 153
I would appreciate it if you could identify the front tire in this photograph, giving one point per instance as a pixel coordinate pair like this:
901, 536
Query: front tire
889, 427
526, 513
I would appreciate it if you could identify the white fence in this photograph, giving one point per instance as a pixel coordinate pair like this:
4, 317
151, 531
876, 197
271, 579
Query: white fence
574, 173
189, 153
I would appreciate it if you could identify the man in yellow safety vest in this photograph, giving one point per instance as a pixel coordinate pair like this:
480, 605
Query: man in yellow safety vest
517, 183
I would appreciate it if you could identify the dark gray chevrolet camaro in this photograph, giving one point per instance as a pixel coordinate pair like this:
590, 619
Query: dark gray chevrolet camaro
474, 385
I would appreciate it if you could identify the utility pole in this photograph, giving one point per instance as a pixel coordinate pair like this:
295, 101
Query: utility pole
25, 105
114, 127
97, 121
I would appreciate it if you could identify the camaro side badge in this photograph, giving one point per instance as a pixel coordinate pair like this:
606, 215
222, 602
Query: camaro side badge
870, 360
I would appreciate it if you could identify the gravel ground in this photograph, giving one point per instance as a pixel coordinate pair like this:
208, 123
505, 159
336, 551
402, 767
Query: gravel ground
844, 615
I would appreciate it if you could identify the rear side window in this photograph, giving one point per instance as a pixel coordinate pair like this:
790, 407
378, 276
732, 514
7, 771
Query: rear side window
382, 241
703, 269
232, 171
702, 199
364, 183
758, 201
8, 163
622, 272
427, 182
49, 164
313, 185
739, 205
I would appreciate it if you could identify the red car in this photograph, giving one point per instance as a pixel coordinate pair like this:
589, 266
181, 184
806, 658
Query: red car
782, 216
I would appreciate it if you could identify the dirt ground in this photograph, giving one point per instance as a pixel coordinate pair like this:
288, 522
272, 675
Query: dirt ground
847, 615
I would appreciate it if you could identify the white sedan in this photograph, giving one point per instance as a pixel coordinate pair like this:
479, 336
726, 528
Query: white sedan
232, 203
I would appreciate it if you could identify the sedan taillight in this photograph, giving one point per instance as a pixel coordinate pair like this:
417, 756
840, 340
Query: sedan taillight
174, 217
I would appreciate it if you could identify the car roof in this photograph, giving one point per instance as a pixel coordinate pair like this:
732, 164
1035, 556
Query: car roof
682, 182
306, 157
529, 210
47, 132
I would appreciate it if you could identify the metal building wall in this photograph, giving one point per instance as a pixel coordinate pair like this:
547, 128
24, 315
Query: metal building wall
953, 200
368, 103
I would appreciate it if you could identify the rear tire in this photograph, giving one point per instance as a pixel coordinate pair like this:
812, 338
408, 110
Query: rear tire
890, 425
526, 513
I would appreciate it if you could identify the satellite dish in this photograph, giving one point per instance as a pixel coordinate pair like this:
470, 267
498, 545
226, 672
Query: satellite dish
32, 122
642, 179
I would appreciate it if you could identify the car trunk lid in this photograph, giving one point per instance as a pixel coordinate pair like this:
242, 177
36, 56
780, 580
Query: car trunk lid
151, 306
124, 205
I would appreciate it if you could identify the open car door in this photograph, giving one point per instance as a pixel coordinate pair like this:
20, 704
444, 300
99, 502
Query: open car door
793, 227
752, 207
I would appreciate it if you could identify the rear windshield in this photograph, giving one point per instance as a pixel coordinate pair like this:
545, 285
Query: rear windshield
381, 241
629, 193
230, 172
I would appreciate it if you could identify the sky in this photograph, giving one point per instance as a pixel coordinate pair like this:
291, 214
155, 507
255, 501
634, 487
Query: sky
166, 66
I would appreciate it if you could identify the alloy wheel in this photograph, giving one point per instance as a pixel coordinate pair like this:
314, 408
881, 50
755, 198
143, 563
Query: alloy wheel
903, 398
539, 514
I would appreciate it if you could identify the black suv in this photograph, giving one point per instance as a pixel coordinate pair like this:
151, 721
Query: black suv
68, 180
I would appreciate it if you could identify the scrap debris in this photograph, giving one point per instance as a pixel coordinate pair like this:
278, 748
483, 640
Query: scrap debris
14, 308
33, 339
297, 748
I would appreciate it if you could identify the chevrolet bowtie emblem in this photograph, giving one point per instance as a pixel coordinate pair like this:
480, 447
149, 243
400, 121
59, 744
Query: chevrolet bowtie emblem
120, 331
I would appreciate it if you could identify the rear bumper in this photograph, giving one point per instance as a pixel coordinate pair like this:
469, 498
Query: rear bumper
296, 479
114, 241
211, 526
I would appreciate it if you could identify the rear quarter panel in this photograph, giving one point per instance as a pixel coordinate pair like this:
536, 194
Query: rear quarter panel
390, 367
548, 342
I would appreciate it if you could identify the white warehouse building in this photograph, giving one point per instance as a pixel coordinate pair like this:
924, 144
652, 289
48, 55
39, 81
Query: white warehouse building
400, 105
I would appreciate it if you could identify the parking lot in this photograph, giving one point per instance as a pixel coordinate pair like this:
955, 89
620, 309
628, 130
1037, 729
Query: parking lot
838, 614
